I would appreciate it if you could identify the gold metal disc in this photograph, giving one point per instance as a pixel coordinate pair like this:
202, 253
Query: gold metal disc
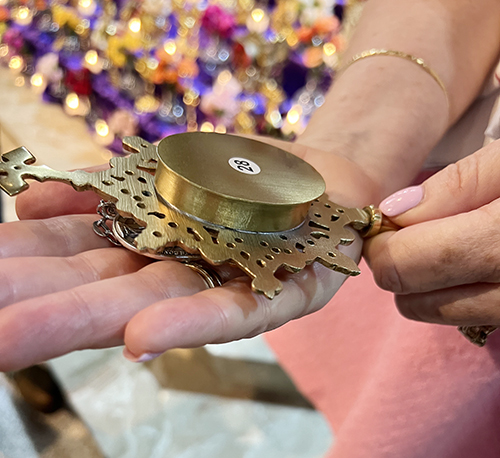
236, 182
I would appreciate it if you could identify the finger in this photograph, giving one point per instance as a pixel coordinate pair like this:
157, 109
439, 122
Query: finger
465, 305
460, 249
60, 236
46, 200
24, 278
226, 313
459, 188
89, 316
49, 199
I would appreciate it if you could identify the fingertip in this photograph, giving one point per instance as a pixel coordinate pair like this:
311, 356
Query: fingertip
144, 357
460, 187
402, 201
383, 261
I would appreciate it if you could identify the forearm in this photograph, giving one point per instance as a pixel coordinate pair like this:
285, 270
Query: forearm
385, 113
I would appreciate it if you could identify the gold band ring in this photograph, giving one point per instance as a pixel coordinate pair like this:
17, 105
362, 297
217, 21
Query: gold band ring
210, 276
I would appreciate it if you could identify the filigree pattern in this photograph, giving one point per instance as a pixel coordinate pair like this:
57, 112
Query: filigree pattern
129, 183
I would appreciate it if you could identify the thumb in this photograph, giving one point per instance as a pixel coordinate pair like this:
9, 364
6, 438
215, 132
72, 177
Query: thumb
459, 188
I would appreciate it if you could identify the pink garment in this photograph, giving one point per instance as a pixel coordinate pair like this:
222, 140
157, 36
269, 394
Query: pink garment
389, 387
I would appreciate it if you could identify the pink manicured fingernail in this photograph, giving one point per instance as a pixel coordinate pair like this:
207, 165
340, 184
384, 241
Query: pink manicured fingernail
402, 201
141, 358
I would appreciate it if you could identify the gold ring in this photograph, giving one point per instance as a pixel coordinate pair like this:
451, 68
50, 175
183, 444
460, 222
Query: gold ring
477, 334
378, 223
210, 276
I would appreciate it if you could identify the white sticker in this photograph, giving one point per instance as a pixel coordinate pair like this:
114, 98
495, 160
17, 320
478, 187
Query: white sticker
244, 165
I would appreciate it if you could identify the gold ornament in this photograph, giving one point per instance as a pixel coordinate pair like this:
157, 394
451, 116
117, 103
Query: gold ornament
224, 198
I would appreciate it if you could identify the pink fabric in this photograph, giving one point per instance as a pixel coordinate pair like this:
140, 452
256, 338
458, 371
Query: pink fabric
390, 387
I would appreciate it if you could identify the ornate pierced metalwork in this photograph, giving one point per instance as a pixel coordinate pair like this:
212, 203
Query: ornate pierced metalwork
130, 185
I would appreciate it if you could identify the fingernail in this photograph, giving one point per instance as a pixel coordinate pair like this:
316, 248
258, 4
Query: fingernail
402, 201
141, 358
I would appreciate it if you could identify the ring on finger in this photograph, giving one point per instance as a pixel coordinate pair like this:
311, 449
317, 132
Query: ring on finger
477, 334
209, 275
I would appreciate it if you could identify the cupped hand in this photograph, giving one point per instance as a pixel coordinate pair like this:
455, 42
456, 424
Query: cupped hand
65, 289
444, 264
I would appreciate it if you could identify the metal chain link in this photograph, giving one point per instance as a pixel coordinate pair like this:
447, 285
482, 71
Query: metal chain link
107, 211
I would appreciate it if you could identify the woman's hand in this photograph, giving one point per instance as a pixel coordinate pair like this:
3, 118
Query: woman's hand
65, 289
444, 265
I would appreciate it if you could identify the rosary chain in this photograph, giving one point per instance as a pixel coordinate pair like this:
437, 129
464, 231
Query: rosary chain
107, 211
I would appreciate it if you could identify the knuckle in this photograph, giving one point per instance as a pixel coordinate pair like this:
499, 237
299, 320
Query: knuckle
462, 176
386, 271
85, 317
223, 328
83, 267
154, 279
409, 308
488, 220
8, 290
490, 214
265, 322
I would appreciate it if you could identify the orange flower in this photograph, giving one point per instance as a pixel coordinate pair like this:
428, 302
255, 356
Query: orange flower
188, 68
4, 14
312, 57
305, 34
40, 5
170, 76
326, 25
164, 74
163, 56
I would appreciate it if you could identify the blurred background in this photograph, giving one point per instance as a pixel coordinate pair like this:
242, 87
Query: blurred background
75, 77
157, 67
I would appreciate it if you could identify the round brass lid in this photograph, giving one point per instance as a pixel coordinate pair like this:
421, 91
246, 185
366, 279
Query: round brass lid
236, 182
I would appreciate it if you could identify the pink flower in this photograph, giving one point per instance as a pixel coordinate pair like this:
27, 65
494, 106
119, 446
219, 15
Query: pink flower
123, 123
13, 39
222, 101
217, 20
48, 66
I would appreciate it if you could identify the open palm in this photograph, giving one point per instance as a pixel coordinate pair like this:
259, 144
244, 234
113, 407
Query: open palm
65, 289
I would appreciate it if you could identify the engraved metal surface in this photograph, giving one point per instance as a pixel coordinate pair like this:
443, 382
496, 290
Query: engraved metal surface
126, 230
130, 185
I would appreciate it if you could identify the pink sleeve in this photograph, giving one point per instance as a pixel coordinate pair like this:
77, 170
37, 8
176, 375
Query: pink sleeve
390, 387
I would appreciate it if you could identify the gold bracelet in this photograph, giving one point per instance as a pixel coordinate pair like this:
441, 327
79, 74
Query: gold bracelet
388, 52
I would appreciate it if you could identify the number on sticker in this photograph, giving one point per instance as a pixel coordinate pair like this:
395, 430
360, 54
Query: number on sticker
244, 165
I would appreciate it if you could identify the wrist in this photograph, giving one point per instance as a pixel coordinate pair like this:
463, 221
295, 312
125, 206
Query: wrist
375, 117
347, 183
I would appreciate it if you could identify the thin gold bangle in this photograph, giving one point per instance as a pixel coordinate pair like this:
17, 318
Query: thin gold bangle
388, 52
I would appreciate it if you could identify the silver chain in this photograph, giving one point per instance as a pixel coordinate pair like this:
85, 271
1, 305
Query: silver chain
107, 211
